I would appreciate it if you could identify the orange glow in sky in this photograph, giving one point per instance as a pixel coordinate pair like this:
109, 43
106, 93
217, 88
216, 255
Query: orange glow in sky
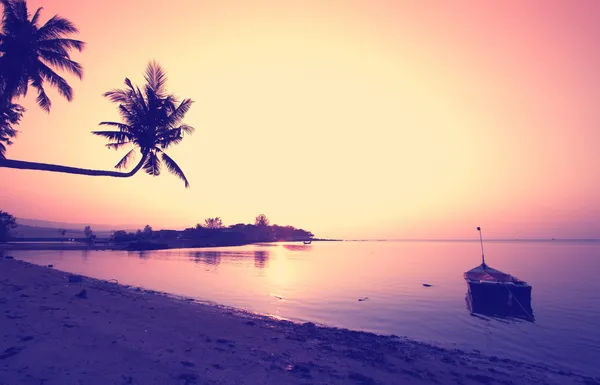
369, 119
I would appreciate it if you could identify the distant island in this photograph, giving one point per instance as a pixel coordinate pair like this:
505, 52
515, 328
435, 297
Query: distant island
211, 233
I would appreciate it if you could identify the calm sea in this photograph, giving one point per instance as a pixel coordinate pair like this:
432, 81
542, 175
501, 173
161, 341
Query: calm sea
324, 281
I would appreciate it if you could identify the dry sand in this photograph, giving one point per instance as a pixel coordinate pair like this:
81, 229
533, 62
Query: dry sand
113, 334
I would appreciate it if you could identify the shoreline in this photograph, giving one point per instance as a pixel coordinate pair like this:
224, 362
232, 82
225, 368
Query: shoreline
55, 245
103, 246
51, 333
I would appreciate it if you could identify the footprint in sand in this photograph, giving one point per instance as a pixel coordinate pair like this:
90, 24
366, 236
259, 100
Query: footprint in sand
13, 350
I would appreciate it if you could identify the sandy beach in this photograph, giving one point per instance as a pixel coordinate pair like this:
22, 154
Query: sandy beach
56, 328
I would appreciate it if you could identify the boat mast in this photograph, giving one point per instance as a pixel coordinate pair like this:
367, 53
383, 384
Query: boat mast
481, 242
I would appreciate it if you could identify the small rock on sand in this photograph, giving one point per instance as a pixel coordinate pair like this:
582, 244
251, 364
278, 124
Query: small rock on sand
361, 378
75, 278
82, 294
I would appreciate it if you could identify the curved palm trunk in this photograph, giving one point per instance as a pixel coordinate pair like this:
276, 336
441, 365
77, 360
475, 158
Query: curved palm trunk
25, 165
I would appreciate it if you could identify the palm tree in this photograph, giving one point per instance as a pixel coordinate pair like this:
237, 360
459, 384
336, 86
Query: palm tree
213, 223
30, 53
261, 220
151, 123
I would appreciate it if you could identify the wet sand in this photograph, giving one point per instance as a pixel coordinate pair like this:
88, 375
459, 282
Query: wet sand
56, 328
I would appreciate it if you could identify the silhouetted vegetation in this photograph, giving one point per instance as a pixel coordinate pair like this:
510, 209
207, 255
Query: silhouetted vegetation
242, 233
31, 53
261, 220
89, 234
10, 116
7, 223
147, 232
213, 233
212, 223
152, 121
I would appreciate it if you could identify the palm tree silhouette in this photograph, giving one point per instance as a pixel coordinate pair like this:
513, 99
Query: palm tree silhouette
151, 123
30, 53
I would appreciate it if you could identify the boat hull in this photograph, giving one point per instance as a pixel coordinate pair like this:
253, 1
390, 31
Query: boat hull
499, 298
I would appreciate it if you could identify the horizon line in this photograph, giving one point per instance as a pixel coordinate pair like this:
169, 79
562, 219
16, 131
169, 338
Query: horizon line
552, 239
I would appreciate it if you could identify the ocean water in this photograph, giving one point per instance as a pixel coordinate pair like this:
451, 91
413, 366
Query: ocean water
324, 281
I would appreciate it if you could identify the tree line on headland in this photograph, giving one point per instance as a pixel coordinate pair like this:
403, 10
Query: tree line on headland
211, 233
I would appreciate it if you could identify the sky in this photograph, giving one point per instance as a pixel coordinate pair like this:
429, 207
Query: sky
352, 119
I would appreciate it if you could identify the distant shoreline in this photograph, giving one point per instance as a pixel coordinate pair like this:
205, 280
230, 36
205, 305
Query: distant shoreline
105, 246
477, 240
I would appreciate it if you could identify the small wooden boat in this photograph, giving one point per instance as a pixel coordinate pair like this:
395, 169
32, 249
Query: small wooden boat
492, 289
307, 242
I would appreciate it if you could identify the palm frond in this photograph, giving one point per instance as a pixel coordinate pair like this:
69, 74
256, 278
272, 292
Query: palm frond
116, 136
21, 7
14, 11
61, 46
152, 164
121, 126
117, 145
178, 114
167, 142
129, 84
10, 116
36, 16
117, 96
174, 168
170, 137
42, 99
127, 115
151, 98
61, 84
56, 27
21, 86
187, 129
58, 50
9, 8
169, 102
156, 77
140, 100
63, 63
130, 156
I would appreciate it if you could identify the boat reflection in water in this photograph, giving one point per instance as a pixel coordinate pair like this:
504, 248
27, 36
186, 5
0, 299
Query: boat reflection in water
494, 293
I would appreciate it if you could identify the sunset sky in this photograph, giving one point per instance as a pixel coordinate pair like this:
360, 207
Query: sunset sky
354, 119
